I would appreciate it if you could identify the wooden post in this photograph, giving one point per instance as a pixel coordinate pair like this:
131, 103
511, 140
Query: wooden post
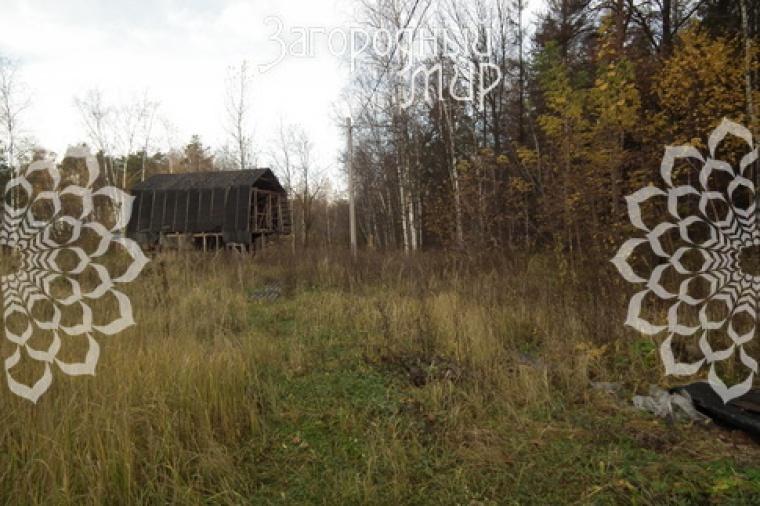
280, 227
269, 211
255, 209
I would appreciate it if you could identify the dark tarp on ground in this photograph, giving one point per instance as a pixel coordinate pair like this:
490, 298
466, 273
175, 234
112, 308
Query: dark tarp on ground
741, 413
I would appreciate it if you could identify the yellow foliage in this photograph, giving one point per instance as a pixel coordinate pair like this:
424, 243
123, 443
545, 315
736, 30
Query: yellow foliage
701, 82
527, 156
521, 185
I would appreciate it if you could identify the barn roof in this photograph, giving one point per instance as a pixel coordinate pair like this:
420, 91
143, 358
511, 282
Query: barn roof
220, 179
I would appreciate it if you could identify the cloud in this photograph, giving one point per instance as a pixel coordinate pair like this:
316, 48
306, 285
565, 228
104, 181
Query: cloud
180, 51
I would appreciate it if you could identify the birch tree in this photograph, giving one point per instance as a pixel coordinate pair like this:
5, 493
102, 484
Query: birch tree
300, 176
97, 118
238, 112
14, 100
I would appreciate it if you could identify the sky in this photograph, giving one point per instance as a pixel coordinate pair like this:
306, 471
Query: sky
179, 51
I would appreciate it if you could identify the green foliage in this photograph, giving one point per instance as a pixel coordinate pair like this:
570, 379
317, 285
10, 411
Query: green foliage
586, 130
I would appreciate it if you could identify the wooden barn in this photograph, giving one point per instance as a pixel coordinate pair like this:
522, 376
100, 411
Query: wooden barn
209, 210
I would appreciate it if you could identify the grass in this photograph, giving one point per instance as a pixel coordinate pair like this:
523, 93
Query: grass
389, 380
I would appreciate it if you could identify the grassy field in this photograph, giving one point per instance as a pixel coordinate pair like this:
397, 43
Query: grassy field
389, 380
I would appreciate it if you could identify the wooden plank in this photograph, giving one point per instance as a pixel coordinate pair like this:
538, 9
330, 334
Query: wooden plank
255, 217
269, 211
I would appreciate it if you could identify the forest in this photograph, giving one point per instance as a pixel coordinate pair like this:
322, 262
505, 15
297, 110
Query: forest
481, 126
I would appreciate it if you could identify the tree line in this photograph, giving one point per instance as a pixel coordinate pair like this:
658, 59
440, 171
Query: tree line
581, 101
477, 125
133, 140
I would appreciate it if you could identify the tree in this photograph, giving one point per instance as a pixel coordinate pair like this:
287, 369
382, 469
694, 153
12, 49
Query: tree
237, 105
566, 24
564, 126
662, 20
282, 159
119, 131
615, 106
135, 121
97, 119
148, 111
299, 176
173, 150
702, 82
14, 100
391, 127
310, 182
196, 157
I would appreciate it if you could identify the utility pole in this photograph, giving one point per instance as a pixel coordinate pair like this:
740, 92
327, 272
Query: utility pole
350, 166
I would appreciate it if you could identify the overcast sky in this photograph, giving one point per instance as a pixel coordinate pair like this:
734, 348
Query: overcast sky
179, 50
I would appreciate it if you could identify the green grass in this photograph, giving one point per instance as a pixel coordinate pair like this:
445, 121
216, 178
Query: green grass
215, 399
357, 433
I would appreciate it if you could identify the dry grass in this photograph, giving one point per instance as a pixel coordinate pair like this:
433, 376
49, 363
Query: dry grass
392, 379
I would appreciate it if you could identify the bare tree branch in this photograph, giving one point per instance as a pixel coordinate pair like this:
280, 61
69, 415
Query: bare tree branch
237, 103
14, 100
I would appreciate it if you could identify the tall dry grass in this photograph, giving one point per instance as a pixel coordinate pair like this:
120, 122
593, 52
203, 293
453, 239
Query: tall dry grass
175, 400
526, 331
184, 402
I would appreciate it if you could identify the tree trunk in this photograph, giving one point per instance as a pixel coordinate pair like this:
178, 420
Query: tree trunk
747, 36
